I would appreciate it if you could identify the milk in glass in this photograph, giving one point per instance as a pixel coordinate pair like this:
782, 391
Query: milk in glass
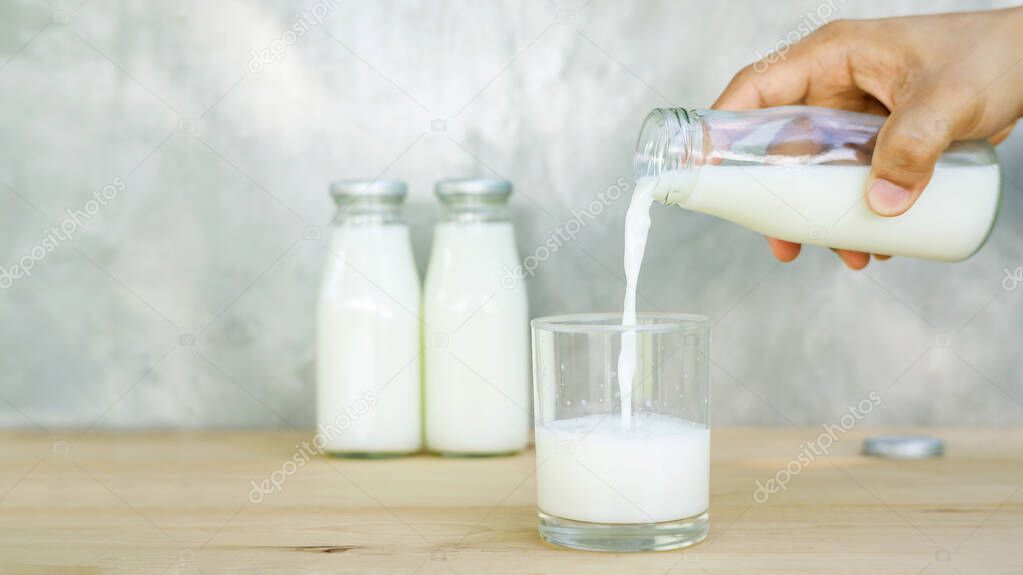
655, 470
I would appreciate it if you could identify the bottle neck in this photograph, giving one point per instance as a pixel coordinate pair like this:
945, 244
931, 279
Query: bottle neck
473, 209
670, 151
366, 211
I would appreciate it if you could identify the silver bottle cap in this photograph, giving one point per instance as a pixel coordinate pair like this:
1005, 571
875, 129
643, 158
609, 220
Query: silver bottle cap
903, 446
489, 188
388, 190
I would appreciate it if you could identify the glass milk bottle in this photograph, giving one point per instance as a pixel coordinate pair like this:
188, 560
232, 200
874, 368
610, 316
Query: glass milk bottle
368, 327
799, 173
477, 328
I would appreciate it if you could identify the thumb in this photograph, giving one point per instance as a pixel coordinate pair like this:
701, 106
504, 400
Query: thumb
908, 146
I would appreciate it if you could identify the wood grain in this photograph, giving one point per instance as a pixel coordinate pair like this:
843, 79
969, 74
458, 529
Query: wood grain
169, 502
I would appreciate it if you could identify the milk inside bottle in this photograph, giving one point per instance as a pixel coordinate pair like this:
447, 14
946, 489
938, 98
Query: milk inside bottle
476, 326
367, 326
799, 173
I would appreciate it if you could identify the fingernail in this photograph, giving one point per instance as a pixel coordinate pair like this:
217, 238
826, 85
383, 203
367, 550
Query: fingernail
888, 199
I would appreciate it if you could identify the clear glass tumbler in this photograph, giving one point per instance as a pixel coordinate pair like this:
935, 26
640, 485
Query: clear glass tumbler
608, 483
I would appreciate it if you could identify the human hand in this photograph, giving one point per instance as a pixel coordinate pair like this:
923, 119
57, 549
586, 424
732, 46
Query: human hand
939, 78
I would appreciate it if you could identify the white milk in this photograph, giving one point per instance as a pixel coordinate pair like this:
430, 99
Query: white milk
367, 345
477, 338
593, 470
825, 206
637, 225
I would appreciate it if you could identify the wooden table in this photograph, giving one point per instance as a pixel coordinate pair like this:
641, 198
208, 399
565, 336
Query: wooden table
167, 502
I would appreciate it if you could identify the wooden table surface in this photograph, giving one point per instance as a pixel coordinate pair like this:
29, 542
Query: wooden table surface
169, 502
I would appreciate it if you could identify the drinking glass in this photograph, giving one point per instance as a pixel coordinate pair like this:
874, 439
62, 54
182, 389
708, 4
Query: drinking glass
611, 483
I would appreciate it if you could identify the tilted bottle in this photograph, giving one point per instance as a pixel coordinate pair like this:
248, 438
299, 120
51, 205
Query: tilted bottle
799, 173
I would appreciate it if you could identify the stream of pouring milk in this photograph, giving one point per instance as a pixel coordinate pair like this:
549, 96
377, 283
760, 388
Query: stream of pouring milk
637, 224
647, 468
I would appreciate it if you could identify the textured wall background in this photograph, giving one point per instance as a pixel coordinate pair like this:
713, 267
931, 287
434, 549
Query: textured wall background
187, 300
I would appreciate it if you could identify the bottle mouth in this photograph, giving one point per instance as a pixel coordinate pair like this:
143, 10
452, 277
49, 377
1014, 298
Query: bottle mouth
369, 191
668, 142
482, 190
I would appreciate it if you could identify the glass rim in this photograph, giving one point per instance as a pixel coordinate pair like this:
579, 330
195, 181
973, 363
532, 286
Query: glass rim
609, 322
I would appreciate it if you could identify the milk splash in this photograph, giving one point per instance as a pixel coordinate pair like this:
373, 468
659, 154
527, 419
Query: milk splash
637, 224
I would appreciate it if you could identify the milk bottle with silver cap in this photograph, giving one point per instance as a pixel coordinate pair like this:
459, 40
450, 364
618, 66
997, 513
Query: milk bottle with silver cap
476, 327
368, 326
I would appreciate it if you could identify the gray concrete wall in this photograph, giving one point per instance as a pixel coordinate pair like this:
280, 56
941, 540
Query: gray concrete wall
188, 299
